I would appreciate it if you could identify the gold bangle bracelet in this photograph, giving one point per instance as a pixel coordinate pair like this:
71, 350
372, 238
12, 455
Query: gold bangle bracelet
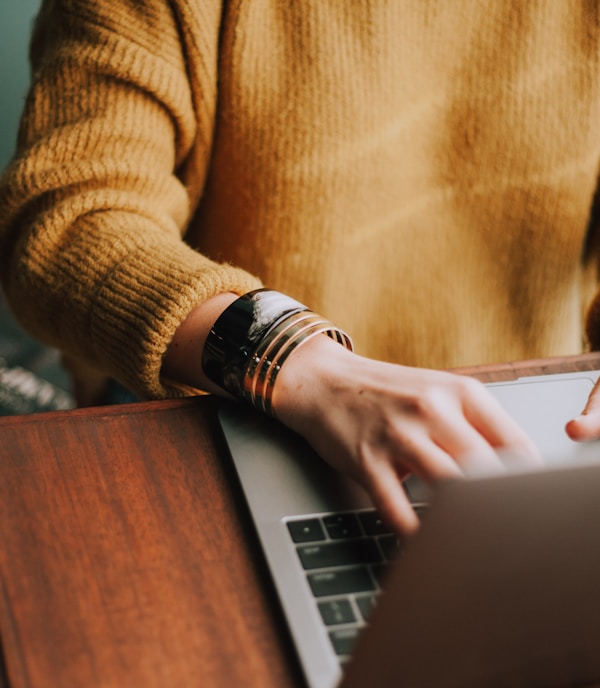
277, 365
264, 367
250, 341
263, 376
262, 355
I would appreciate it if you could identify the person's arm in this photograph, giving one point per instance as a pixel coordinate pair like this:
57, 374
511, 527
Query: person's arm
375, 421
380, 422
110, 165
183, 360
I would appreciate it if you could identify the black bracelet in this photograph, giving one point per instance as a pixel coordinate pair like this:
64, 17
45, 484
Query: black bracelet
237, 332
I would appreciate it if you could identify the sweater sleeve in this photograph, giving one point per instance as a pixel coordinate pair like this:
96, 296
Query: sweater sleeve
97, 199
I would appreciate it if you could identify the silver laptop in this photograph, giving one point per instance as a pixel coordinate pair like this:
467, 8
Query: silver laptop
329, 554
501, 588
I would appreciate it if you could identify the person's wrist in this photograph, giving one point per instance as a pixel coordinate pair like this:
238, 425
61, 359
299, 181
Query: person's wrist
310, 378
237, 340
253, 338
182, 362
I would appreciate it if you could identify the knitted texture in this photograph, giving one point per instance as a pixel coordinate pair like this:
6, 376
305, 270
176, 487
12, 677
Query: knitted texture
420, 173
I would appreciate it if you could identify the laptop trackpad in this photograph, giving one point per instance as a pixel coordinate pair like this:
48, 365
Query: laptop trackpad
541, 407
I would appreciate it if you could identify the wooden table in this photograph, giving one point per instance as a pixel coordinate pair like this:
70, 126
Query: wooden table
127, 557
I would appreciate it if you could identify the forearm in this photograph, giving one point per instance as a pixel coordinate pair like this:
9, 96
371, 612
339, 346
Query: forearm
375, 421
183, 360
95, 203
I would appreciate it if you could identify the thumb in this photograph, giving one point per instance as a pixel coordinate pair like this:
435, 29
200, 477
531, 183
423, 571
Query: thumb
587, 425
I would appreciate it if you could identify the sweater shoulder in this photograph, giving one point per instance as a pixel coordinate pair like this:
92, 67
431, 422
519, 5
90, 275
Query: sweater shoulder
151, 26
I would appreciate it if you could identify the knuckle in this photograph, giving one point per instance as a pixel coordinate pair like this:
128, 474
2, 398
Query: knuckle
469, 386
431, 402
390, 444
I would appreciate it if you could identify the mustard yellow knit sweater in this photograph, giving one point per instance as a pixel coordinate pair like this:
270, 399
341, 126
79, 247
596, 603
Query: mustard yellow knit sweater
421, 172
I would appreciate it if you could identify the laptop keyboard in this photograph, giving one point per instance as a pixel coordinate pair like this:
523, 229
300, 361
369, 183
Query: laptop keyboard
344, 556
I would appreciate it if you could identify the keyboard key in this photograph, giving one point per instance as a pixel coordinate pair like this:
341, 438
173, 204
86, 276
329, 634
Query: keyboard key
343, 640
306, 530
341, 553
342, 526
336, 612
372, 523
341, 582
366, 604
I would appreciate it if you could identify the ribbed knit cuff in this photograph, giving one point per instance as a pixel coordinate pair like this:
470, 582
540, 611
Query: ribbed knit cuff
143, 302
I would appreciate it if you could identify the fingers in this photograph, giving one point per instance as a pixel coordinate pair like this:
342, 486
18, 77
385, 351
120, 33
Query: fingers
471, 451
466, 431
454, 428
471, 428
390, 499
497, 428
447, 421
377, 422
587, 426
387, 462
412, 450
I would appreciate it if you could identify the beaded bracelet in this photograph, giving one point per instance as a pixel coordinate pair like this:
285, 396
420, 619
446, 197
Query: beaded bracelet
250, 341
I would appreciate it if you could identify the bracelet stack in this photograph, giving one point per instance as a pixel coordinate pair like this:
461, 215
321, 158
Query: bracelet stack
251, 340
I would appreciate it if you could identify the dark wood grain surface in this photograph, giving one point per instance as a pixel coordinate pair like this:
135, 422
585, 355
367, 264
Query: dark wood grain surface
127, 558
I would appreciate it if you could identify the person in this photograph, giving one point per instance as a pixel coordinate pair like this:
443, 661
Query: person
421, 174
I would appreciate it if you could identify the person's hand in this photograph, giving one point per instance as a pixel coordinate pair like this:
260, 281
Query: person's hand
380, 422
375, 421
587, 426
